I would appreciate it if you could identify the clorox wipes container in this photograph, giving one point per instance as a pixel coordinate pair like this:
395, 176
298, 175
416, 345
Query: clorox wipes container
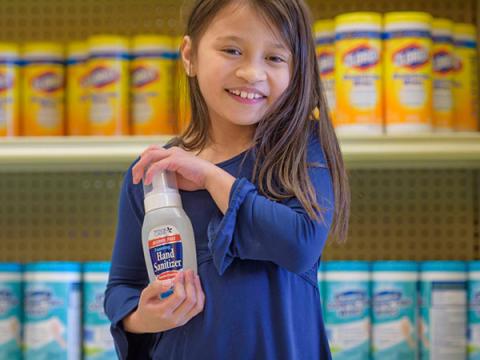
442, 35
358, 73
408, 72
43, 90
9, 90
465, 88
108, 79
325, 50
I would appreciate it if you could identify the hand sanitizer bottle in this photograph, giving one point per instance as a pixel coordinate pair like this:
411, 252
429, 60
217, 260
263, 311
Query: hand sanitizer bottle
167, 234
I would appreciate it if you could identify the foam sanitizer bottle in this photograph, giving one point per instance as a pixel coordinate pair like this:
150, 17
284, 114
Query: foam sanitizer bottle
167, 233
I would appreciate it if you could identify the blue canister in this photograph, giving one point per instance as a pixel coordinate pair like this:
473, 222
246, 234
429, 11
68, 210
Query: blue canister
474, 310
347, 308
52, 311
97, 340
443, 310
10, 311
394, 309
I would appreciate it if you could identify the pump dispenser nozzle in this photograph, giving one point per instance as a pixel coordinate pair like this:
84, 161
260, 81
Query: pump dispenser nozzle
162, 192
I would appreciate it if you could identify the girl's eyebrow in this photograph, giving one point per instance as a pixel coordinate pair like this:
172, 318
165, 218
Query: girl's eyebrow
276, 45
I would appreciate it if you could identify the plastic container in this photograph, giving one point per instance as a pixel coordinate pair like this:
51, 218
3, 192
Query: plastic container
443, 310
394, 310
108, 79
97, 340
465, 88
52, 311
442, 67
408, 72
167, 233
9, 90
358, 74
43, 90
474, 310
77, 89
347, 308
325, 50
10, 311
152, 85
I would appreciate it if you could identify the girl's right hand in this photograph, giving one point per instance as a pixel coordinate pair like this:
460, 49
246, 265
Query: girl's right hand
155, 315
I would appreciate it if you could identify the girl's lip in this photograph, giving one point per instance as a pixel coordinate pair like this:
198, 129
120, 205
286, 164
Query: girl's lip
245, 101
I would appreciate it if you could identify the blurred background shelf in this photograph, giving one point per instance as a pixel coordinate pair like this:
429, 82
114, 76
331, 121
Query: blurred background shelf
116, 153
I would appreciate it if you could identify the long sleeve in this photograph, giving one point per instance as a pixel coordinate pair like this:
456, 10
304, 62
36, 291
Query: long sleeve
257, 228
128, 275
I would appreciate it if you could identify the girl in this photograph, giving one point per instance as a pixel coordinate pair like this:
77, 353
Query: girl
262, 181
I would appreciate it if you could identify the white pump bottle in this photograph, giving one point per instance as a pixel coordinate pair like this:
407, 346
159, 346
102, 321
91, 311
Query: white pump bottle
167, 234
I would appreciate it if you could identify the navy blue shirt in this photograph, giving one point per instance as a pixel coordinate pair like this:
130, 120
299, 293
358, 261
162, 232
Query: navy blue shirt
257, 265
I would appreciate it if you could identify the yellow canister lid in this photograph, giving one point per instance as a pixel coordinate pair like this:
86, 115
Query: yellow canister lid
49, 49
108, 42
77, 49
407, 16
442, 24
465, 29
10, 49
152, 42
324, 27
359, 18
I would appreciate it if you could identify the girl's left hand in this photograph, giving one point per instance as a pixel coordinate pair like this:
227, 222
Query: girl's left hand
191, 171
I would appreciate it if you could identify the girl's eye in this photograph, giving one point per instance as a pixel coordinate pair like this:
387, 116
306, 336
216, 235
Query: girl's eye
276, 59
232, 51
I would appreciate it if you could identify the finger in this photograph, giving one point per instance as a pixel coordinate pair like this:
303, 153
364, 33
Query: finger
199, 306
148, 156
164, 164
190, 298
157, 287
173, 301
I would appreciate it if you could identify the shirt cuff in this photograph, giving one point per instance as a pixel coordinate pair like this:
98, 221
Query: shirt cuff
222, 227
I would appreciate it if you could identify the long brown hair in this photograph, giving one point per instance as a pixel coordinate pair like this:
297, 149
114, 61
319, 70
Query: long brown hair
282, 135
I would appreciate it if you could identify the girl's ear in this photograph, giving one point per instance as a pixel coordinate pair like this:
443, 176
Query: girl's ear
186, 53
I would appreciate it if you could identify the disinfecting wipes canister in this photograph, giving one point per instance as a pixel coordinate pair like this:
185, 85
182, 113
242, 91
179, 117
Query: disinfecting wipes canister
465, 88
43, 90
358, 73
9, 90
394, 308
10, 311
325, 50
474, 310
443, 310
442, 68
108, 78
77, 89
97, 340
52, 311
408, 72
152, 85
347, 310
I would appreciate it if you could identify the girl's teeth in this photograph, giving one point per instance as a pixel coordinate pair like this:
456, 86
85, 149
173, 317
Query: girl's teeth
245, 95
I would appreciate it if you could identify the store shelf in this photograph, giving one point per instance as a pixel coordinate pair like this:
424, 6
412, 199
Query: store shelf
115, 153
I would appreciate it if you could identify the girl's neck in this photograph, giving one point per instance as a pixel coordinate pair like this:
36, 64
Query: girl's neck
227, 141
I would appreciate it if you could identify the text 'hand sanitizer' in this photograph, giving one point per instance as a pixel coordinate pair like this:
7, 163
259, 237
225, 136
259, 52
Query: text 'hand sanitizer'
167, 234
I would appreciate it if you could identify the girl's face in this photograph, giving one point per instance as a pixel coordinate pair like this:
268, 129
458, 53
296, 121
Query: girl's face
242, 66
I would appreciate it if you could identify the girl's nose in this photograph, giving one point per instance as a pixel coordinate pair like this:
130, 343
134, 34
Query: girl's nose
251, 73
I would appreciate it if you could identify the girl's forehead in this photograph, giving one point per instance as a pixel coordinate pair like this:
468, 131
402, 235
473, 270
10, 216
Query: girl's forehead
240, 21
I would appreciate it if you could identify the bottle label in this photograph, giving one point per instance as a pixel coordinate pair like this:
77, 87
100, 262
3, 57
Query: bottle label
166, 253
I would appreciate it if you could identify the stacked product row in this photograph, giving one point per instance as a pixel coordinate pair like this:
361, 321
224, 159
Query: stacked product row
403, 72
109, 85
44, 307
401, 309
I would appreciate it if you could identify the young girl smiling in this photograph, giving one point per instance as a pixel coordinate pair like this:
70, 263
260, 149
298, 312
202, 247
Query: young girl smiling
262, 180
